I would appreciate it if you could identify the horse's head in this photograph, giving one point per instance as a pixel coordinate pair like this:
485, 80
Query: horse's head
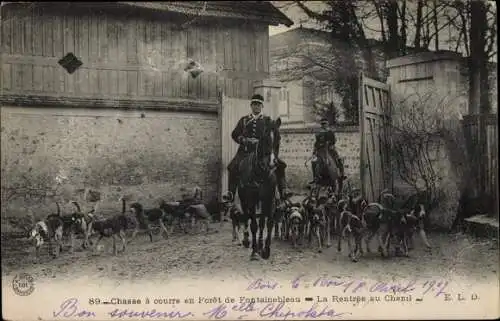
269, 144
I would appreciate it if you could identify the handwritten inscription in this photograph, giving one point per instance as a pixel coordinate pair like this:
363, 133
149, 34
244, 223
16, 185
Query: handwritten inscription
153, 313
280, 311
70, 308
261, 284
355, 286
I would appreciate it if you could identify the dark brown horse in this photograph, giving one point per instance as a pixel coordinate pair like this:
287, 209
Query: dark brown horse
329, 174
257, 185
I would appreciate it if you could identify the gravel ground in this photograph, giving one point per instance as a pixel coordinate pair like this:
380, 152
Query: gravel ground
201, 255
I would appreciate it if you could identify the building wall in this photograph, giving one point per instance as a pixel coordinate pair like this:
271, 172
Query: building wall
56, 153
296, 150
127, 55
115, 124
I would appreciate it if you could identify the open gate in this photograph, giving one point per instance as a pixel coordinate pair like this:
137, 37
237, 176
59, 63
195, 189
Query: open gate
232, 109
375, 123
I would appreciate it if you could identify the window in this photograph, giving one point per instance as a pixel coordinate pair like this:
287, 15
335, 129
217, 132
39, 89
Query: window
284, 102
70, 62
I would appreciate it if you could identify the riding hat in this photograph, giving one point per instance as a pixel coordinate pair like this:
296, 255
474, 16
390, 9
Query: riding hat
257, 99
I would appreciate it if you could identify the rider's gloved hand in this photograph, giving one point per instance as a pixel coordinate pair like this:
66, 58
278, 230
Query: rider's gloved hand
252, 141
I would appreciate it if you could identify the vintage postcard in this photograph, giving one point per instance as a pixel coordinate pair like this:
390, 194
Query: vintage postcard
249, 160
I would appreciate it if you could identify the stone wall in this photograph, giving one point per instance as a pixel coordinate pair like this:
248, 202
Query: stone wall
296, 150
54, 153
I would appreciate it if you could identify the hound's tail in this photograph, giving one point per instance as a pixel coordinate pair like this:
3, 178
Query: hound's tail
124, 205
77, 206
58, 209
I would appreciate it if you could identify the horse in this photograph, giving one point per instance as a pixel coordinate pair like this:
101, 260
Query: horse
257, 184
329, 174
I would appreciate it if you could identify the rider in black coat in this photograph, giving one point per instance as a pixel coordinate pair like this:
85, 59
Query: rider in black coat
325, 136
247, 132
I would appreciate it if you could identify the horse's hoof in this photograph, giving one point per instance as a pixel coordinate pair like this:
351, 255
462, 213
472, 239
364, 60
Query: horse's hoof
320, 251
246, 244
265, 253
254, 257
354, 259
328, 245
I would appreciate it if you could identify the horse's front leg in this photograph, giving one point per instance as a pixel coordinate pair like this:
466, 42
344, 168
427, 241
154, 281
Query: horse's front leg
340, 235
267, 211
246, 234
328, 231
253, 228
262, 225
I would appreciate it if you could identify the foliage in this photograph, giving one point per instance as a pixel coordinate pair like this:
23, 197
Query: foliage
401, 24
419, 138
327, 110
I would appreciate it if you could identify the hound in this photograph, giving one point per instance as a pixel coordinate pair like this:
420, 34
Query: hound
236, 216
48, 230
82, 222
295, 225
146, 217
111, 227
412, 222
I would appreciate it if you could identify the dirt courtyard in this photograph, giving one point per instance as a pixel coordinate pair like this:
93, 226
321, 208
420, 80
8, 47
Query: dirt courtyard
202, 255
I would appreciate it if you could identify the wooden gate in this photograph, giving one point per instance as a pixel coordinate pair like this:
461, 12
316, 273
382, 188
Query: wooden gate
375, 124
232, 110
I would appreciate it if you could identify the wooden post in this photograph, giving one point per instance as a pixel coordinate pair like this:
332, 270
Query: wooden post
478, 99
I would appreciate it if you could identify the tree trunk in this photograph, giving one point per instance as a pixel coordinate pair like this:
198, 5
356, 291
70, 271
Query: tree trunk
435, 22
403, 28
418, 27
479, 84
391, 10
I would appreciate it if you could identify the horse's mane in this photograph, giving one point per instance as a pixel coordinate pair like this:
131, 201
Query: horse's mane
265, 147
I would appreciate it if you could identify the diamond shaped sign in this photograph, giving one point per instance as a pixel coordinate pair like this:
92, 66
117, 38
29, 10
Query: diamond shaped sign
70, 62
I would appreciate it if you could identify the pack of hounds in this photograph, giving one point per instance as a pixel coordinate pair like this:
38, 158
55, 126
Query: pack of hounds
347, 217
188, 215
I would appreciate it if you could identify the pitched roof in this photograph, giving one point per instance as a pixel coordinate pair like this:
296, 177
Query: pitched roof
250, 10
263, 11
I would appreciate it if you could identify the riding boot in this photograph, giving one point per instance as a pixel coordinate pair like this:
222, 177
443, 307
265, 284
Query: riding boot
340, 166
315, 173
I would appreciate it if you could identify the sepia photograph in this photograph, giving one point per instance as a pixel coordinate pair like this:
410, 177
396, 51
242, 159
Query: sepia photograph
249, 160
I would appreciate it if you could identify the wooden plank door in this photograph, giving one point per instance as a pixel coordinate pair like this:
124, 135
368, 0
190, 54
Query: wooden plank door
375, 124
232, 110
